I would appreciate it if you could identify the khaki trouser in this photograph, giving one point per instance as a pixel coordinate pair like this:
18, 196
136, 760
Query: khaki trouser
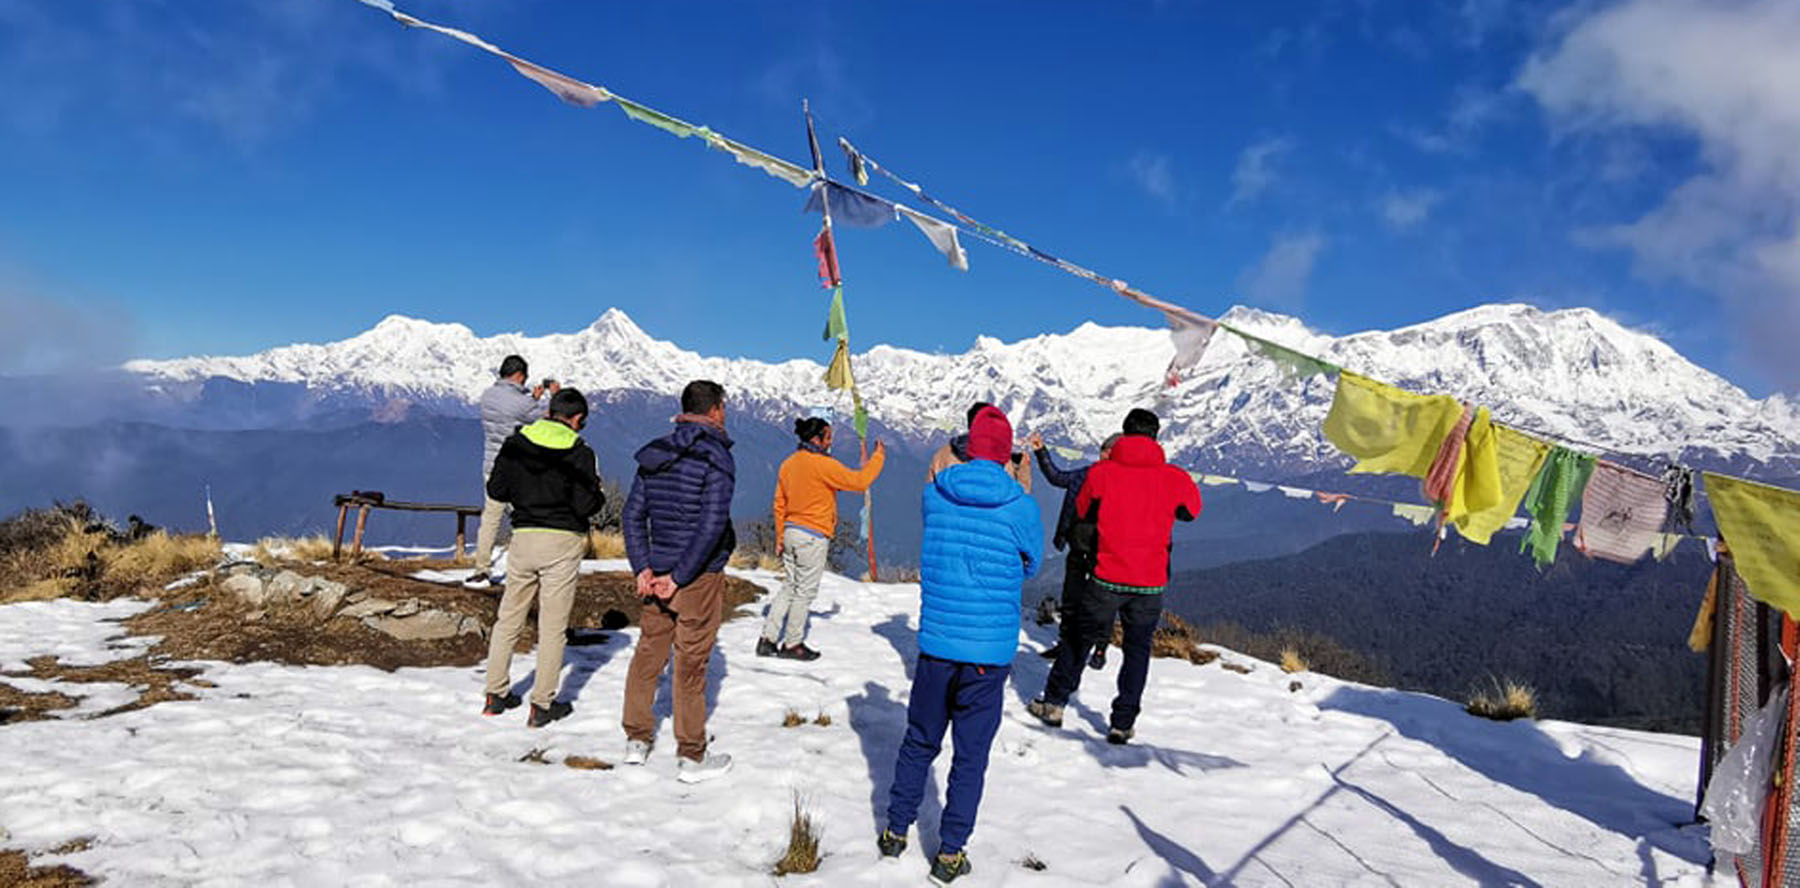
803, 556
699, 608
492, 510
543, 567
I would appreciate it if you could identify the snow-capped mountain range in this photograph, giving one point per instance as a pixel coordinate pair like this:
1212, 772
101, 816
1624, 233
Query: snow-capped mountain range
1572, 373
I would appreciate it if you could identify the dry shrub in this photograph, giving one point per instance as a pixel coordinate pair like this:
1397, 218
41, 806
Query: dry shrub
1503, 700
1175, 639
1291, 661
793, 719
584, 763
1238, 668
1031, 862
52, 553
270, 551
823, 721
534, 757
606, 544
160, 557
1318, 652
802, 855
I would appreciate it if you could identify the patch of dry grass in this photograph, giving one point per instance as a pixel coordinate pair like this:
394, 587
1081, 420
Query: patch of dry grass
1503, 700
1175, 638
1292, 662
65, 552
585, 763
746, 559
271, 551
823, 720
16, 869
606, 544
793, 719
155, 685
802, 855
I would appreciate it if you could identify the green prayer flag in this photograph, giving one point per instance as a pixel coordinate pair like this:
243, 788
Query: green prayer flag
836, 325
1294, 363
655, 118
861, 420
1556, 488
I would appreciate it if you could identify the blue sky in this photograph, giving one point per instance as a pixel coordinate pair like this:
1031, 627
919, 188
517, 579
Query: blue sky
221, 176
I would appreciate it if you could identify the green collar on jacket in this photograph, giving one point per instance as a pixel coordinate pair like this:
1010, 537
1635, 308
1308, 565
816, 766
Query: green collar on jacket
550, 435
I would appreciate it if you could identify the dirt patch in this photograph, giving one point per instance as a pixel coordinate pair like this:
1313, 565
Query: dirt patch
156, 683
19, 706
203, 622
16, 869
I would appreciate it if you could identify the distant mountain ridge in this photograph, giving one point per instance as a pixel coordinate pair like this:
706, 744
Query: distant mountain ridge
1572, 373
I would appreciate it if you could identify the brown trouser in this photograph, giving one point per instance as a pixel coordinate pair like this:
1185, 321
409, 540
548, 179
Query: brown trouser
543, 566
698, 609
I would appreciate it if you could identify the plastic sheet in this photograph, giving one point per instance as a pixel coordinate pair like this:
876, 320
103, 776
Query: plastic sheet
1739, 788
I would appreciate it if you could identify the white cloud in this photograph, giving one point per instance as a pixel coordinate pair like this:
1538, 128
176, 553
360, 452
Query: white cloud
1404, 209
1279, 280
1728, 75
1155, 173
1255, 171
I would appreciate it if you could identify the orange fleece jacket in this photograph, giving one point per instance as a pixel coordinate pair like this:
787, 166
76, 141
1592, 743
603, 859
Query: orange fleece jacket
806, 489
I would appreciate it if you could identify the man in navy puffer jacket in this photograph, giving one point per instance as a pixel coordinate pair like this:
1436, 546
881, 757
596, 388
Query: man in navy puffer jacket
983, 539
678, 537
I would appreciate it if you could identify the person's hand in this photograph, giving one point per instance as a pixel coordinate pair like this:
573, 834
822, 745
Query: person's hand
663, 587
643, 582
1036, 441
537, 392
555, 386
879, 447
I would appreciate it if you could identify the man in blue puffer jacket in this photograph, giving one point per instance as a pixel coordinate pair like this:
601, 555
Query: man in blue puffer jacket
678, 537
983, 539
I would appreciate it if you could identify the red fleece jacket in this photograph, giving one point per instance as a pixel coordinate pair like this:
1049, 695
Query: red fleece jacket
1140, 496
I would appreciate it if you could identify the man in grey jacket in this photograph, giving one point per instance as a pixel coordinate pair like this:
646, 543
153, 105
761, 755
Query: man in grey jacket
505, 406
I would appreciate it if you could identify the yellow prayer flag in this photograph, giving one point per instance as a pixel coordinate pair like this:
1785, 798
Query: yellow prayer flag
837, 376
1762, 525
1389, 429
1516, 459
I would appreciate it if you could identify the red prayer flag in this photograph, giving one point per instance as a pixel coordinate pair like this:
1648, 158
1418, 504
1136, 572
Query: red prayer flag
828, 264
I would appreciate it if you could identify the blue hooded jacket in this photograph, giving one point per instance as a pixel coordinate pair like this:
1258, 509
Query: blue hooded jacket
983, 539
678, 516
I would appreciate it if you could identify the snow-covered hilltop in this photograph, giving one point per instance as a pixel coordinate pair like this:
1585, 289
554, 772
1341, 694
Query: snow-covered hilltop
1573, 373
1240, 775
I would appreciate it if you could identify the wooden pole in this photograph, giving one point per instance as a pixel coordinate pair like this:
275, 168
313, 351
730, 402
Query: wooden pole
337, 542
362, 517
461, 534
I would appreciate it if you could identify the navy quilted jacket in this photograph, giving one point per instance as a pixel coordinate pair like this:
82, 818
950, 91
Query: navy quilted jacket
678, 516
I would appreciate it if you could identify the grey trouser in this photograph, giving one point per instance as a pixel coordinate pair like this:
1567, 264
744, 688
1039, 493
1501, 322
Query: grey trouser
803, 556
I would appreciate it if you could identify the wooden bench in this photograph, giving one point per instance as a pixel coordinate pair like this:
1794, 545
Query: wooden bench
364, 502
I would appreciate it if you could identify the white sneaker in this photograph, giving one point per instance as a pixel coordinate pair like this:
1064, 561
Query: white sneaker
636, 751
715, 764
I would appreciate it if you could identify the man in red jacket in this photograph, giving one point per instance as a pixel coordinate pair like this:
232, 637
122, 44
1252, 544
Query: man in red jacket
1136, 497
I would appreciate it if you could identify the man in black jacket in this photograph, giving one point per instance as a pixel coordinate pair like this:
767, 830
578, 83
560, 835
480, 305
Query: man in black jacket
1080, 538
546, 473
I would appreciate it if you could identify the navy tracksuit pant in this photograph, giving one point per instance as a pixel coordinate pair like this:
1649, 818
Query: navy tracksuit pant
1140, 613
965, 699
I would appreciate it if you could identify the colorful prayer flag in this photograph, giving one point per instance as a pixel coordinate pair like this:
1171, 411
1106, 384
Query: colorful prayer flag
1762, 526
1516, 458
1556, 488
1622, 514
825, 248
837, 376
836, 325
1388, 429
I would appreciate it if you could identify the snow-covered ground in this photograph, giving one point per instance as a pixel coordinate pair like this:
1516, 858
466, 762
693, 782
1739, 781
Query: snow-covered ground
285, 775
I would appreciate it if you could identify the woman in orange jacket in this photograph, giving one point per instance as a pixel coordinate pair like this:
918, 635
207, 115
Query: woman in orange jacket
805, 520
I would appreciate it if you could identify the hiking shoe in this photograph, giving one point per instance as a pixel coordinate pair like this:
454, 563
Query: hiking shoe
543, 715
1120, 736
636, 751
699, 770
1047, 712
889, 844
947, 868
498, 703
765, 648
1097, 660
1051, 652
797, 652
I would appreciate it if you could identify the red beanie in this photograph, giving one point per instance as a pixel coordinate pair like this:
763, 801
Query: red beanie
990, 436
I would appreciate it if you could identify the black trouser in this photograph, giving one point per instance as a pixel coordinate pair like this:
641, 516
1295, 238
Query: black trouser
1093, 624
1078, 574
